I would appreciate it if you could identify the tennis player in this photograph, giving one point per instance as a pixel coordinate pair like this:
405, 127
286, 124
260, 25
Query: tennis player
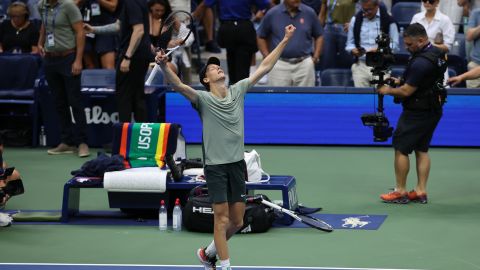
221, 109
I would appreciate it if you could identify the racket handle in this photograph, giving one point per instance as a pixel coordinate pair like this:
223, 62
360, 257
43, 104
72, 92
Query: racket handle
152, 75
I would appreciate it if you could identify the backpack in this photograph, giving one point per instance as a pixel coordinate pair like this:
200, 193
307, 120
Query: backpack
198, 214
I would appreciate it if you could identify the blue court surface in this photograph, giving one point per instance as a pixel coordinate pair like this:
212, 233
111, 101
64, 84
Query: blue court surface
44, 266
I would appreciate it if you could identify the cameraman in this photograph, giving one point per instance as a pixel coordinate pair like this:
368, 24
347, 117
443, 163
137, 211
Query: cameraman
422, 95
4, 179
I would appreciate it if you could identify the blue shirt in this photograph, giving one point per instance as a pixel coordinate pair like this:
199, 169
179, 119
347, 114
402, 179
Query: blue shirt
237, 9
308, 28
474, 21
368, 33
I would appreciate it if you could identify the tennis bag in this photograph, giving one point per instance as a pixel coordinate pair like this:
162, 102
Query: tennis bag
198, 214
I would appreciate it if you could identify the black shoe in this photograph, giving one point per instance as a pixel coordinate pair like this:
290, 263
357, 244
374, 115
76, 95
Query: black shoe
212, 46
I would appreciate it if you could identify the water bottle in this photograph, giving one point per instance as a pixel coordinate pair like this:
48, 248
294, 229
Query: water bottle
162, 217
42, 137
177, 216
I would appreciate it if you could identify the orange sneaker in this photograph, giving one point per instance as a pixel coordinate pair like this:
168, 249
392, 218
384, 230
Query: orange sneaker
395, 197
418, 198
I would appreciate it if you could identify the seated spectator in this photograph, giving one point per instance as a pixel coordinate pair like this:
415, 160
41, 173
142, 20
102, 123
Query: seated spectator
440, 30
158, 11
99, 50
5, 179
18, 34
363, 29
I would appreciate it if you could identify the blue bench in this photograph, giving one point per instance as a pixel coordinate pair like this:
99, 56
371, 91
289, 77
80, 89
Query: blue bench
125, 200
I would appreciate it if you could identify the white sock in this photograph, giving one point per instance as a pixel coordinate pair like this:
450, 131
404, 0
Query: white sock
225, 264
211, 250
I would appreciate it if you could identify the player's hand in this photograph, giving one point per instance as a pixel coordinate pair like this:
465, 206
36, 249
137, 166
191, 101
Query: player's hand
454, 80
161, 58
289, 30
87, 28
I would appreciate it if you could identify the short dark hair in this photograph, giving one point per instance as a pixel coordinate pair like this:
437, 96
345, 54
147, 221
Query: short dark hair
415, 30
202, 74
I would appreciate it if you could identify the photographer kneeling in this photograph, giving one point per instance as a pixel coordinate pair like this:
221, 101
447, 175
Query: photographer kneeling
10, 182
422, 96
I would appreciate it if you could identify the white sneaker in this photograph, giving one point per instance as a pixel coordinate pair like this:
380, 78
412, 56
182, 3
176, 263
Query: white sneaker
208, 263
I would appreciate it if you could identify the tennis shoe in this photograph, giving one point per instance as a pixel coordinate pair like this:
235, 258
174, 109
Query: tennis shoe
395, 197
413, 196
61, 149
208, 263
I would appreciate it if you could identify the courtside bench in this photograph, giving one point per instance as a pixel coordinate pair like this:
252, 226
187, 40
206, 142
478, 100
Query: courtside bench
142, 200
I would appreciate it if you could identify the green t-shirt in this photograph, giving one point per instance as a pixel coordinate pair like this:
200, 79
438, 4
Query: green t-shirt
223, 124
65, 13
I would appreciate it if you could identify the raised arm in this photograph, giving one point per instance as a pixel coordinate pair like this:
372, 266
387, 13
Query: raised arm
269, 61
173, 79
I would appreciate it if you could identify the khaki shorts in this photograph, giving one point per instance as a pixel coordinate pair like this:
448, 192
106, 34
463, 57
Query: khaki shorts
226, 182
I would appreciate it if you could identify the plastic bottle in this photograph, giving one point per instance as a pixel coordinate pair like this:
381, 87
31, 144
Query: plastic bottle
42, 137
162, 217
177, 216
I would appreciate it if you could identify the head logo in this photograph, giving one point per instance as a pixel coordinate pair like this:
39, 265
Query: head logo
354, 222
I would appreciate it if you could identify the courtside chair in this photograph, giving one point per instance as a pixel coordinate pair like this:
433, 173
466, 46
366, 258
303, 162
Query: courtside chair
18, 91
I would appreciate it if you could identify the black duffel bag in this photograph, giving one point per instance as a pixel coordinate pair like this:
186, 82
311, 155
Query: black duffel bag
198, 214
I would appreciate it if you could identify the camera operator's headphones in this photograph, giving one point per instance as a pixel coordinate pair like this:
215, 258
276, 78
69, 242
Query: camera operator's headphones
21, 4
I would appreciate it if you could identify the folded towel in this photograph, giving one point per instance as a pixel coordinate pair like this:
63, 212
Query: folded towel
146, 179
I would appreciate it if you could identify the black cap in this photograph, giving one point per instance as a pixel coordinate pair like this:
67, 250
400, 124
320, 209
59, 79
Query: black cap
201, 75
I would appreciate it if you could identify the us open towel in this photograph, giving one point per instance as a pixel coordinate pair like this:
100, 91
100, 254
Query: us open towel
146, 144
146, 179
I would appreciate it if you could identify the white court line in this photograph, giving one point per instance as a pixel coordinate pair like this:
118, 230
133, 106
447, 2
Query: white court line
197, 266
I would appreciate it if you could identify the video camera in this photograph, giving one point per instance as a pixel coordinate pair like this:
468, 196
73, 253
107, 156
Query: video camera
382, 58
380, 61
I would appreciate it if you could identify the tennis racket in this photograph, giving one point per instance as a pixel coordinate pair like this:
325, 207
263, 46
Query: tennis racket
175, 31
305, 219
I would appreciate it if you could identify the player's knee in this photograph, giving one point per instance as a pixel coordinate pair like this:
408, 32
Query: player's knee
237, 224
222, 222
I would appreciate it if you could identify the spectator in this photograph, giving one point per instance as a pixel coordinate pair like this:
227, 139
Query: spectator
99, 49
473, 35
134, 57
237, 34
61, 42
159, 10
467, 7
205, 14
18, 35
362, 32
452, 10
296, 66
335, 17
440, 30
315, 4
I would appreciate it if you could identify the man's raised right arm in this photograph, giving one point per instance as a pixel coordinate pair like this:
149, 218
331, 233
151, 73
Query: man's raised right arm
172, 78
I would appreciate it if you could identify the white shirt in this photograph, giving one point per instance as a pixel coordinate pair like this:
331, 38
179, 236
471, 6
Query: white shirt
440, 23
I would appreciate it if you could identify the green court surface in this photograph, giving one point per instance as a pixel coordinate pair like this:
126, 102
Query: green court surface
443, 234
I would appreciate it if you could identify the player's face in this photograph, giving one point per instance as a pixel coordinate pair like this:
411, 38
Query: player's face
215, 72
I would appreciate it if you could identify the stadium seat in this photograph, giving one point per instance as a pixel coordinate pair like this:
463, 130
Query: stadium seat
403, 12
458, 47
98, 77
337, 77
18, 94
457, 63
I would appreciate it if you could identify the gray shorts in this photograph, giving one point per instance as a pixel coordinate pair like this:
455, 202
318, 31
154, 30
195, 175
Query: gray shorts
226, 182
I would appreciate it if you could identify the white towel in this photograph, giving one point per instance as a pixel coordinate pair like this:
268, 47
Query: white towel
145, 179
